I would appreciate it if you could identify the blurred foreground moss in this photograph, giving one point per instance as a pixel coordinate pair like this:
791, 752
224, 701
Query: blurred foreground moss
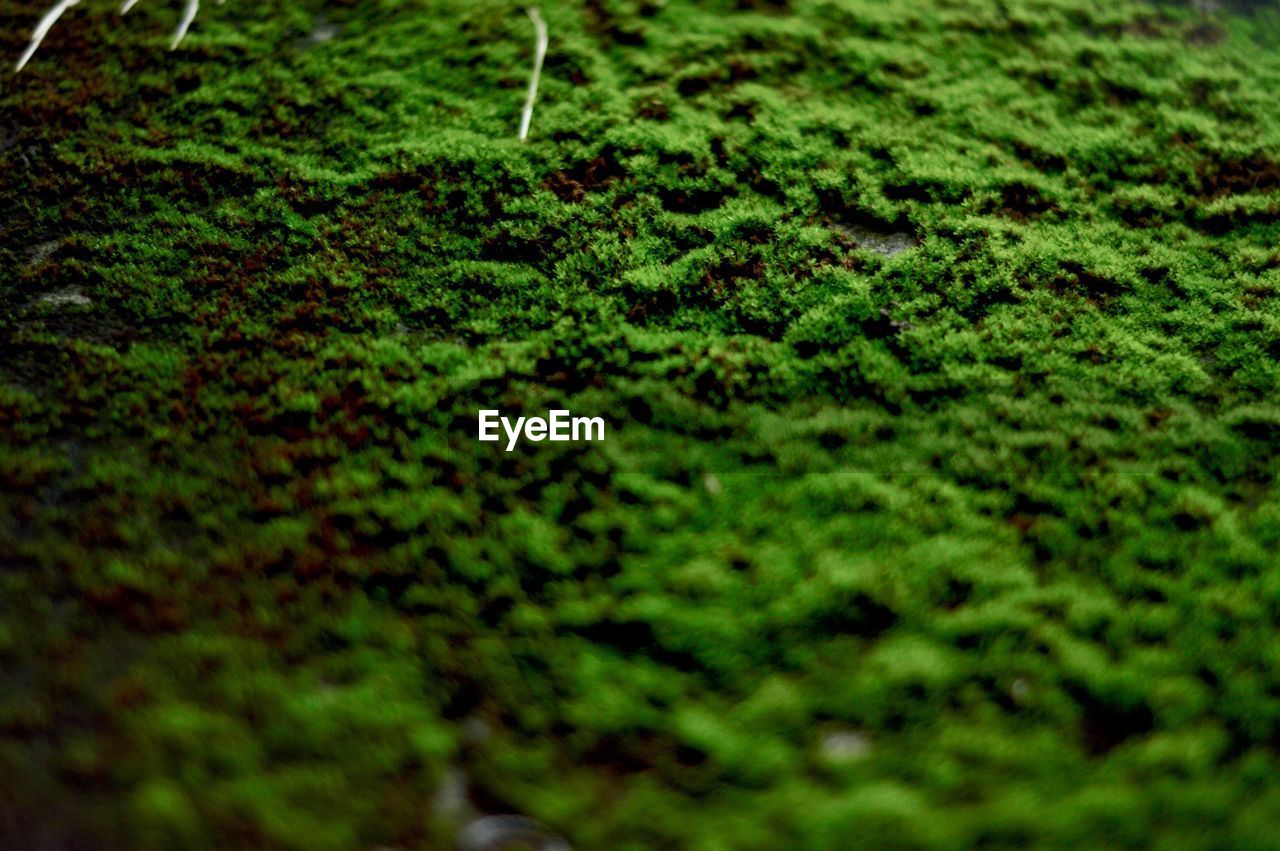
938, 345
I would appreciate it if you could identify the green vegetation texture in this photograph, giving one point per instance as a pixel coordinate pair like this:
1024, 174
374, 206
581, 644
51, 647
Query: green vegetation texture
972, 544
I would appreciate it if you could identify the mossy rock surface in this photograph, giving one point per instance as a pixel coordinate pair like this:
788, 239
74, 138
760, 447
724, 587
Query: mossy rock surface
938, 344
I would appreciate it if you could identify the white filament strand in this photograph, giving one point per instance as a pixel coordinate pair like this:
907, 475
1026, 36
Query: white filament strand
188, 15
42, 29
540, 53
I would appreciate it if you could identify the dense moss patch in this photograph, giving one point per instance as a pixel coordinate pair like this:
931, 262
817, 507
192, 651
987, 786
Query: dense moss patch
938, 344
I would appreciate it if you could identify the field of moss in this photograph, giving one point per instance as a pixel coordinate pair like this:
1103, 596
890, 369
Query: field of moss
938, 342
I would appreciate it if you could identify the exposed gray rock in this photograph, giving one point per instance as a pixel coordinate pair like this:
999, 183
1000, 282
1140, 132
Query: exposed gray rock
66, 297
845, 746
889, 243
496, 833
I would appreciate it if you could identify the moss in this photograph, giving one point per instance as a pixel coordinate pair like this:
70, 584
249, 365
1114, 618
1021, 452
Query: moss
937, 345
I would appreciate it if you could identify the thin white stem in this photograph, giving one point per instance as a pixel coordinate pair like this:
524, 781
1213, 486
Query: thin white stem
188, 15
540, 53
127, 5
42, 29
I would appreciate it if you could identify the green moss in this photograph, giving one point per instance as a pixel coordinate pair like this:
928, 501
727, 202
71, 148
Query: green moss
937, 344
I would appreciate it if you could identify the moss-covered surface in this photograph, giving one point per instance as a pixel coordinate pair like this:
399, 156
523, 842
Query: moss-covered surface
969, 544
